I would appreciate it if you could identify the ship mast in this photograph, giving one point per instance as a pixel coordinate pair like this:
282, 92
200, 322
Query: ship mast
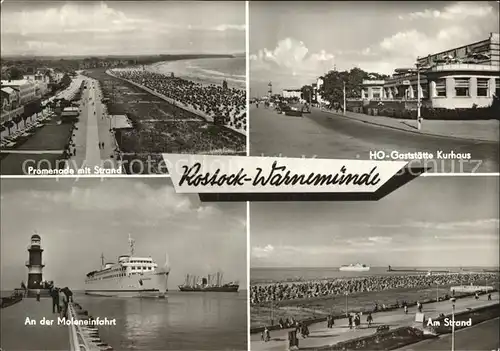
102, 260
131, 243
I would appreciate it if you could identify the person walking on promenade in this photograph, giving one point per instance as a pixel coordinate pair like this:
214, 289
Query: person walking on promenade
476, 296
62, 303
267, 335
55, 300
489, 297
350, 321
38, 295
406, 309
369, 319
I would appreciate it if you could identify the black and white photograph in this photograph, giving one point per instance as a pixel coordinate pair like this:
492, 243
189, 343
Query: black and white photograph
120, 264
105, 87
390, 275
411, 80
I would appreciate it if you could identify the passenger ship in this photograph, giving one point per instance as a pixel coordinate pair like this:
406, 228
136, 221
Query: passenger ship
131, 276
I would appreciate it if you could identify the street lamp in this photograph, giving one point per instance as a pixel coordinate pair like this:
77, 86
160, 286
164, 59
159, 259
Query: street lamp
346, 304
419, 103
453, 324
419, 97
344, 98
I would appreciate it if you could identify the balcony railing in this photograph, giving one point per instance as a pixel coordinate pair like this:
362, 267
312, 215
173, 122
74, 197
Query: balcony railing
464, 67
28, 263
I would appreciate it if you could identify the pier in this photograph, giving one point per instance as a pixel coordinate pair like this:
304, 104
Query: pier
18, 336
43, 332
390, 269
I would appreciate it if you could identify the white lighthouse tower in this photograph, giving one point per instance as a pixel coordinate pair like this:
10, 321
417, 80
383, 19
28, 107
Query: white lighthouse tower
34, 263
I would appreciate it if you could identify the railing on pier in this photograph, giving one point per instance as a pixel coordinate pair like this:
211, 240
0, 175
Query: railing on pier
78, 339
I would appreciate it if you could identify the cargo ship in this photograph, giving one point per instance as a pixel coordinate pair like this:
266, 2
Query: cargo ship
130, 276
212, 283
355, 268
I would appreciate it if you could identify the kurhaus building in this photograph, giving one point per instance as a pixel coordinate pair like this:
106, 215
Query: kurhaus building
456, 78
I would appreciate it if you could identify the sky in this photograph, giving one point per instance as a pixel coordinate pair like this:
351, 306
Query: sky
122, 27
293, 43
429, 222
79, 220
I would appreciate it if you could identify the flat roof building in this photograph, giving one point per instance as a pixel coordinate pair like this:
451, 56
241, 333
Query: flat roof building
456, 78
292, 93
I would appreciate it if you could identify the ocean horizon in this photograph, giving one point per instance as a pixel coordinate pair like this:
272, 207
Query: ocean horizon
206, 70
259, 275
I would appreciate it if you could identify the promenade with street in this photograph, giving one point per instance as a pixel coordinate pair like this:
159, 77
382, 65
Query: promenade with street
320, 335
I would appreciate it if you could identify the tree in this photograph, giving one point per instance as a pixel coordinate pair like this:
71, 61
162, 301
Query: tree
15, 73
332, 89
17, 120
66, 80
8, 124
307, 93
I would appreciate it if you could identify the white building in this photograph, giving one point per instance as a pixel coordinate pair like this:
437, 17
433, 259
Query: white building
458, 78
10, 104
292, 93
26, 89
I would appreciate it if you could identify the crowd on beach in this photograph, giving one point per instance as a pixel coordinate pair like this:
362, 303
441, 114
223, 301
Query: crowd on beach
219, 102
302, 290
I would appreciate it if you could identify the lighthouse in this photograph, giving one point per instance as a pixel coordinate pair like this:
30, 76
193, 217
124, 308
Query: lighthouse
34, 263
270, 89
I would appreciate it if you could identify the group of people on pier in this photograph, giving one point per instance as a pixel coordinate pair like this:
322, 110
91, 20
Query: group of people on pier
61, 297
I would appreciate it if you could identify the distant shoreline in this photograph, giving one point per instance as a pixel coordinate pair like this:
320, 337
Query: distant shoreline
158, 57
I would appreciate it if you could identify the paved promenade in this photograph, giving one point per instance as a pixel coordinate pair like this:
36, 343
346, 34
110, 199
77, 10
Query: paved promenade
320, 335
93, 128
487, 131
483, 336
18, 336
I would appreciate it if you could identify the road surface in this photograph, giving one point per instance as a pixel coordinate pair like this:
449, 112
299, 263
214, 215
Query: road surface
481, 337
322, 336
325, 135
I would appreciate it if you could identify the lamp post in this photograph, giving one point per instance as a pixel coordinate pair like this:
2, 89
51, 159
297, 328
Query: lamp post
437, 292
344, 98
453, 324
419, 118
346, 304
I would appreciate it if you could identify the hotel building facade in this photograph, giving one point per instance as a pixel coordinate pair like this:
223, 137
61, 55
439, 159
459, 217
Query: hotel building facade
463, 77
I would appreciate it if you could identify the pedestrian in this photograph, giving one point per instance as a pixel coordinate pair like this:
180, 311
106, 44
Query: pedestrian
350, 321
476, 296
489, 297
406, 309
267, 335
55, 300
369, 319
63, 304
38, 295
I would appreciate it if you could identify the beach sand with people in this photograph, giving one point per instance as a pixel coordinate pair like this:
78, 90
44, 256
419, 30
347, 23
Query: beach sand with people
319, 298
214, 102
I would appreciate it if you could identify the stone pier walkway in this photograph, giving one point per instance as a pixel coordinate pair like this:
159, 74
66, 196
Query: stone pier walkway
18, 336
